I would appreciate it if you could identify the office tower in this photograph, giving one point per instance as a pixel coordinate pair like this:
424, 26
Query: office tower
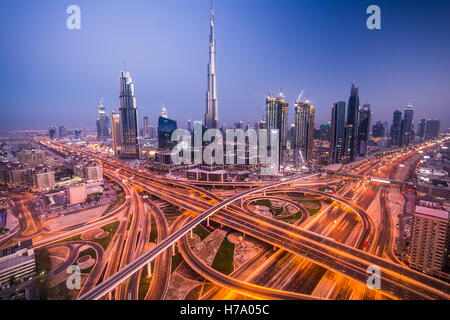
378, 130
432, 129
146, 133
115, 129
77, 133
189, 127
102, 123
337, 132
401, 137
421, 129
324, 132
364, 129
395, 128
351, 127
165, 129
405, 137
304, 130
62, 132
153, 133
129, 146
429, 238
212, 109
52, 132
277, 119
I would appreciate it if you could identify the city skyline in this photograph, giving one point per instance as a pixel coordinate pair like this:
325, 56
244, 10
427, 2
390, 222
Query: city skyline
251, 94
324, 174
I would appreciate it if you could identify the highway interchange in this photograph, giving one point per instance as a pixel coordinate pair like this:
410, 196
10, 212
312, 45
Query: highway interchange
341, 241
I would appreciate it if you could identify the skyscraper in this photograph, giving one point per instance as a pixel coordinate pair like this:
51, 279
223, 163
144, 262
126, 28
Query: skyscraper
405, 136
165, 129
432, 129
277, 119
212, 110
52, 132
115, 129
303, 134
421, 129
337, 132
62, 131
102, 122
395, 128
351, 128
146, 133
378, 130
364, 129
129, 147
324, 132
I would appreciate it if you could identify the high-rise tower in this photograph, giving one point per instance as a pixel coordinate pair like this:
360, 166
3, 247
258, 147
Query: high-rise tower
129, 147
115, 129
351, 128
277, 119
303, 132
364, 129
212, 110
395, 128
102, 122
337, 132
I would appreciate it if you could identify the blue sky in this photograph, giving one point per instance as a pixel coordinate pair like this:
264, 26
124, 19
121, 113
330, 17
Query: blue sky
55, 76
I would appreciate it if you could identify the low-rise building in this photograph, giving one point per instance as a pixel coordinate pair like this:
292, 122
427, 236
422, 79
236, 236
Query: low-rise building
76, 193
17, 262
42, 179
32, 158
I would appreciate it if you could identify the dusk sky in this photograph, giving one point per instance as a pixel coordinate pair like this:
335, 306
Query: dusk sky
55, 76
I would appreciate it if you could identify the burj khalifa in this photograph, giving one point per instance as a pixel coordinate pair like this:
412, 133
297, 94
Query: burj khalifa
212, 109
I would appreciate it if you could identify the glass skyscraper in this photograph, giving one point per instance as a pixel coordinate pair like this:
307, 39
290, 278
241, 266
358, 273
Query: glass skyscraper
165, 129
364, 129
351, 128
303, 132
337, 132
277, 119
129, 147
102, 123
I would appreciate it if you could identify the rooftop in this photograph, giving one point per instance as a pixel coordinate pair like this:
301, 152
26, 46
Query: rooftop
434, 213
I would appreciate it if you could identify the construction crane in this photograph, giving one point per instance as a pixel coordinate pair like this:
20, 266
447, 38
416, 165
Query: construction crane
299, 97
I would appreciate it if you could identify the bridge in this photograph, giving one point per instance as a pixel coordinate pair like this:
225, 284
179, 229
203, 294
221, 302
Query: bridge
357, 176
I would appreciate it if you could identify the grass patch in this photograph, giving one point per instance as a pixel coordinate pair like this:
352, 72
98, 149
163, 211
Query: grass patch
224, 259
113, 204
144, 281
111, 229
176, 261
130, 222
293, 218
316, 203
153, 233
201, 232
264, 202
91, 252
